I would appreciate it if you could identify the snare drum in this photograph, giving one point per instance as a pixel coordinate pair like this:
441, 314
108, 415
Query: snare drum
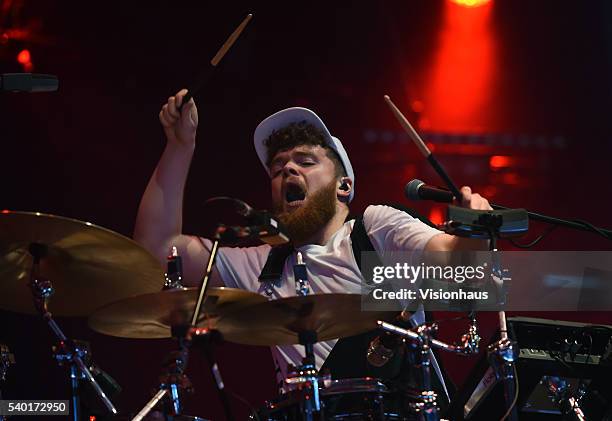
342, 400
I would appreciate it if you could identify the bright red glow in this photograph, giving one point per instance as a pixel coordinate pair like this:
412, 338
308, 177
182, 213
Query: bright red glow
463, 149
511, 179
409, 172
489, 192
28, 67
500, 161
436, 215
458, 92
417, 106
24, 57
423, 123
471, 3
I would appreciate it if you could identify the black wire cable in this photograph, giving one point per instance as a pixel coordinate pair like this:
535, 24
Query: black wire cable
593, 228
590, 227
575, 223
536, 241
585, 224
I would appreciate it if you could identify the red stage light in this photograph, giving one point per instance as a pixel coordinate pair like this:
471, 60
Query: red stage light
436, 215
470, 3
459, 89
417, 106
24, 57
500, 161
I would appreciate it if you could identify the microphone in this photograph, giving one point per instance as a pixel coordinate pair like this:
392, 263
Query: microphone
28, 82
244, 209
418, 190
383, 347
263, 224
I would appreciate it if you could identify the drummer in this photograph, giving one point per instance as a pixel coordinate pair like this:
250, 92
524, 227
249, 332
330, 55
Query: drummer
312, 184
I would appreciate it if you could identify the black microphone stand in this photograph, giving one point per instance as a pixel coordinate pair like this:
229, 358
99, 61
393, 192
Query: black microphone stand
501, 354
207, 338
577, 225
187, 335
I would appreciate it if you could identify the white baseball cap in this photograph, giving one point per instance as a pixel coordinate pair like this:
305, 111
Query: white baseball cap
287, 116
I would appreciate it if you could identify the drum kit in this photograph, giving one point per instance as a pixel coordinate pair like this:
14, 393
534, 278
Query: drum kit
53, 265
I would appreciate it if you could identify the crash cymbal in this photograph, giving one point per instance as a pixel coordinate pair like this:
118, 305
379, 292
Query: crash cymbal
88, 265
278, 322
152, 315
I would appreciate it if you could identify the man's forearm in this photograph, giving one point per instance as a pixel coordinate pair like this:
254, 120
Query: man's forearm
160, 214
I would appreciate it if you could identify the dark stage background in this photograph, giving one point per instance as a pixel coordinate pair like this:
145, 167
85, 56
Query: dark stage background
514, 97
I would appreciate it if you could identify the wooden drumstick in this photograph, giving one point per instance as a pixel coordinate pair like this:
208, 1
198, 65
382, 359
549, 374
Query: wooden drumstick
230, 41
423, 148
408, 127
203, 78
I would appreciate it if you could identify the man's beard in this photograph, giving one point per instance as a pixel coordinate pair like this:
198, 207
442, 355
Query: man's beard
304, 222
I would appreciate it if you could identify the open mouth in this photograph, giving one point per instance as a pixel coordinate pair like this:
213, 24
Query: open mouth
294, 195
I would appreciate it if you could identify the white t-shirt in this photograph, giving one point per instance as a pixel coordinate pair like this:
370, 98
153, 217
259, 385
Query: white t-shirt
331, 268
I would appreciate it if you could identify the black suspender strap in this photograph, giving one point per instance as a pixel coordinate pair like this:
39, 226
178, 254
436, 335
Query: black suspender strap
273, 269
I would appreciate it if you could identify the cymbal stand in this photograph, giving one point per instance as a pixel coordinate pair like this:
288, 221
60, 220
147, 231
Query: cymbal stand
502, 354
172, 382
427, 408
306, 378
42, 289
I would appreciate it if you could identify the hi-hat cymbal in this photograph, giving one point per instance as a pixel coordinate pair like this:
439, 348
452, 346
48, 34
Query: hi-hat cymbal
89, 266
278, 322
152, 315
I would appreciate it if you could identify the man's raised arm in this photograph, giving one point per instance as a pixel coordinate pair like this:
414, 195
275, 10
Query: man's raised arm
159, 222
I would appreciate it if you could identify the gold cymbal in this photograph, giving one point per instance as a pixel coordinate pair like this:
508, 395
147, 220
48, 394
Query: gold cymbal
152, 315
278, 322
89, 266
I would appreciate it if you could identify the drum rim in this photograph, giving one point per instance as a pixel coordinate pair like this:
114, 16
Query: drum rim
354, 385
